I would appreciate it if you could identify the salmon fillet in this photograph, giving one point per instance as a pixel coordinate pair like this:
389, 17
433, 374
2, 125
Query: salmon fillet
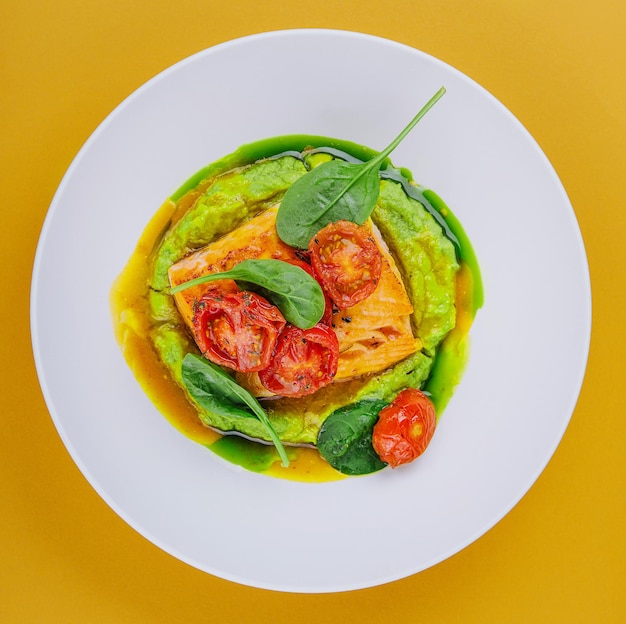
373, 335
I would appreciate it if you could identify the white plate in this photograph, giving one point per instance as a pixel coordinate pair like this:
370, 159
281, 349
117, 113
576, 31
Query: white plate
529, 342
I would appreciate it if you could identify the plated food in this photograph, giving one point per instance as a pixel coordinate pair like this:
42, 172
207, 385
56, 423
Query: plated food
505, 419
305, 327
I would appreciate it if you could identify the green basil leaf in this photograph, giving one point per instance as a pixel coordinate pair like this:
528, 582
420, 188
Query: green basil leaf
216, 391
345, 439
291, 289
335, 191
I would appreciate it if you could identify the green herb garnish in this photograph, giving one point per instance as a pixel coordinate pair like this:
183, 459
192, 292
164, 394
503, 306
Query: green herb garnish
334, 191
216, 391
291, 289
345, 439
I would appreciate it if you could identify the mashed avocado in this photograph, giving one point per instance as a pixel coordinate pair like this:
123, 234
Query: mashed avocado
425, 256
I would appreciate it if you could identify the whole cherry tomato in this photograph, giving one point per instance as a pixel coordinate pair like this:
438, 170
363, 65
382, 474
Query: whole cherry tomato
404, 428
304, 361
237, 329
346, 261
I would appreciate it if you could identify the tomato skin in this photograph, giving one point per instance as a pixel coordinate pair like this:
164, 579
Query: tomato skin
304, 361
346, 261
237, 329
404, 428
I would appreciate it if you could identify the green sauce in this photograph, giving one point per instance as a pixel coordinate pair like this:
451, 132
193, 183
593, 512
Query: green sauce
251, 455
452, 353
464, 247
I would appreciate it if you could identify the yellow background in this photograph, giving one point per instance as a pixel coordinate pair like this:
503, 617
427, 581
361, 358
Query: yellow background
559, 556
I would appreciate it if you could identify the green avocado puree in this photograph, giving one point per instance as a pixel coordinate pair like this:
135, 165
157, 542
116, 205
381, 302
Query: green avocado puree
431, 250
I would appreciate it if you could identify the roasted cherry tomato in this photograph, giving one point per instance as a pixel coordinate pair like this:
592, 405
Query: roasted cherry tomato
237, 329
327, 319
404, 428
304, 361
346, 261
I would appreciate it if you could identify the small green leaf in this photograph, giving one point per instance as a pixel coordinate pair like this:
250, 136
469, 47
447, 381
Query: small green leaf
346, 191
335, 191
291, 289
216, 391
345, 439
204, 382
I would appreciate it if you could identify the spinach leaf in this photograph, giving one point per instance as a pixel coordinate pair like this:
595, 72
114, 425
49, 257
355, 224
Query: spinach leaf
345, 439
216, 391
291, 289
334, 191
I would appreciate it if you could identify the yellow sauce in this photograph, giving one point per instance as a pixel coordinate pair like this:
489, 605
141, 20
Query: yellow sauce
131, 321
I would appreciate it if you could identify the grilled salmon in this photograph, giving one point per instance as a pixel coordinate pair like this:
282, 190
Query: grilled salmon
373, 334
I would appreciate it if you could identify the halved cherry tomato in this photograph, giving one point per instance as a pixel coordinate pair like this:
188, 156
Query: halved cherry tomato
237, 329
327, 318
304, 361
404, 428
346, 261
